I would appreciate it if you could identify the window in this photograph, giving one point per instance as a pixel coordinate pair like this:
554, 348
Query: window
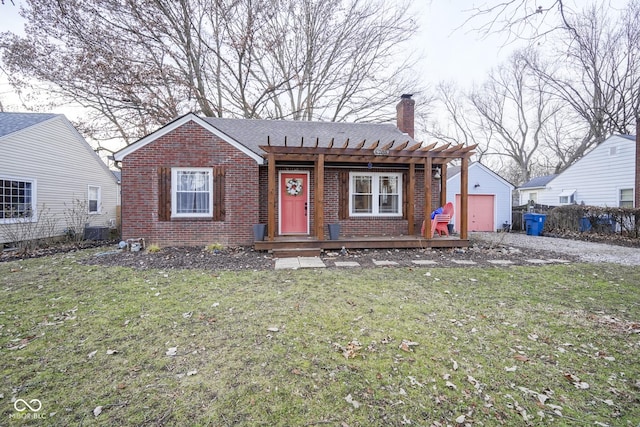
626, 198
533, 197
375, 194
17, 199
192, 192
567, 197
94, 199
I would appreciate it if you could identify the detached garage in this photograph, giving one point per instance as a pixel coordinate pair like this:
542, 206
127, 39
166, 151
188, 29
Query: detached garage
489, 198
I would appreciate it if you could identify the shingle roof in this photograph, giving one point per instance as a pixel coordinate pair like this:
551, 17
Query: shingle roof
13, 122
253, 133
539, 181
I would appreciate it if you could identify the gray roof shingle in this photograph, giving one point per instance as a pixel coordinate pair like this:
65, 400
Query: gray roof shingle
253, 133
539, 181
13, 122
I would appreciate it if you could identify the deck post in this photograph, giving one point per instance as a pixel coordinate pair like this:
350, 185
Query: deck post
464, 197
443, 185
411, 199
428, 164
318, 204
271, 196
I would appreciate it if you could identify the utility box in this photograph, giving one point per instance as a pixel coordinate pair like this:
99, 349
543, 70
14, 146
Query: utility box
96, 233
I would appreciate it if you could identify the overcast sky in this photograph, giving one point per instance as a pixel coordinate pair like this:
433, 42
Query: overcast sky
448, 54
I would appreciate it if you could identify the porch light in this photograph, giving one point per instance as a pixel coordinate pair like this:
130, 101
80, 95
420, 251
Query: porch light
437, 175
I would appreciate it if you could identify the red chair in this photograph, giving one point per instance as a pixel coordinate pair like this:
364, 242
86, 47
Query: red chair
440, 221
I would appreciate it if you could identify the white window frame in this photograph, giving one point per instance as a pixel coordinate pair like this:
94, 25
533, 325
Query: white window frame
533, 196
174, 193
375, 194
567, 197
98, 200
620, 197
34, 204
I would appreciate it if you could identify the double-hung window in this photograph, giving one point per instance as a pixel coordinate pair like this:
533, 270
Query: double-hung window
94, 199
375, 194
192, 192
17, 199
626, 198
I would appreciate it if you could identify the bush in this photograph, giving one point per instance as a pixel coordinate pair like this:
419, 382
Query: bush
28, 235
571, 218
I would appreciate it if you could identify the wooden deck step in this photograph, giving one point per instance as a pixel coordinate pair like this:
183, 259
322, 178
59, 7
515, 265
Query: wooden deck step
295, 252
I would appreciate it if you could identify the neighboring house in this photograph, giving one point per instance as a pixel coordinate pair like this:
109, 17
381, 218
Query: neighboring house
199, 180
603, 177
530, 190
47, 170
489, 201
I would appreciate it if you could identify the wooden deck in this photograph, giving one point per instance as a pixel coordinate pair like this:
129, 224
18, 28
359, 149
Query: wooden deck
303, 245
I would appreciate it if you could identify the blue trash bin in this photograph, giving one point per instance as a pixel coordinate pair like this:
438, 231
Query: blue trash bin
534, 223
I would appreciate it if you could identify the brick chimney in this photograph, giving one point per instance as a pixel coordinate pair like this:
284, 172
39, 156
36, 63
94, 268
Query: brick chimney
405, 110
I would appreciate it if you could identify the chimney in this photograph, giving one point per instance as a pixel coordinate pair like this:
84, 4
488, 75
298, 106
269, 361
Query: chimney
405, 110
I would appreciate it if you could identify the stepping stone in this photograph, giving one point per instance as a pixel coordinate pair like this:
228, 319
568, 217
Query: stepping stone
500, 261
538, 261
294, 263
347, 264
384, 263
287, 263
310, 262
464, 262
423, 262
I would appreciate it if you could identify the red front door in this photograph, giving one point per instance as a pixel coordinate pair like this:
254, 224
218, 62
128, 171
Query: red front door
294, 203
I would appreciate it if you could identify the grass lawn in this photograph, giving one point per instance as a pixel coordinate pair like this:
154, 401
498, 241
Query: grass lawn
543, 345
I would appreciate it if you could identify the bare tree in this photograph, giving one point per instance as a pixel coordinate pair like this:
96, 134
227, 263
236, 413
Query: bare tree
598, 76
513, 109
134, 65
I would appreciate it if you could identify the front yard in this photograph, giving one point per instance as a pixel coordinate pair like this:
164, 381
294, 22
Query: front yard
540, 345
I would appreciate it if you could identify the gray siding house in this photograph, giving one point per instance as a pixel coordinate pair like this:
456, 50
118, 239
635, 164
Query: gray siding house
47, 169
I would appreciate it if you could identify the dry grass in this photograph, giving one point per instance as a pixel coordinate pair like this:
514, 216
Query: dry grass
549, 345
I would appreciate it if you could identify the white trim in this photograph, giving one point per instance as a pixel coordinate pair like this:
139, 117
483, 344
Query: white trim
472, 165
170, 127
633, 195
567, 193
34, 199
99, 200
292, 172
174, 187
375, 192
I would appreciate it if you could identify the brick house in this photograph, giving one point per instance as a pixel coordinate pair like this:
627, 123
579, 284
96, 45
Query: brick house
198, 181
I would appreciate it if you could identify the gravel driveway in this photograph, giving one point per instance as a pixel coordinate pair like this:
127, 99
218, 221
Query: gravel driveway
587, 251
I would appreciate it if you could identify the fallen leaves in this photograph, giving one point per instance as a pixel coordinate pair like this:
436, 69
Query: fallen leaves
353, 402
407, 345
579, 384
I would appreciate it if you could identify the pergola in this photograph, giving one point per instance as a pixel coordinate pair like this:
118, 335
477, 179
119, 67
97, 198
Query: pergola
389, 154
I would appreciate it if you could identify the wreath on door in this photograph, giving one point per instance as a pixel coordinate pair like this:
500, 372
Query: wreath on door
294, 186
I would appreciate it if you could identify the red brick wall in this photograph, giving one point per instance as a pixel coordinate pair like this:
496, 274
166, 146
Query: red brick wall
189, 146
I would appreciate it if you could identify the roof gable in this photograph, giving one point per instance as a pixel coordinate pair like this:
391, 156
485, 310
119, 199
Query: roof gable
14, 122
120, 155
453, 171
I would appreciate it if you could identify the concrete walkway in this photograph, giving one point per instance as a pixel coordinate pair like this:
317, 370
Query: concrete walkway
316, 262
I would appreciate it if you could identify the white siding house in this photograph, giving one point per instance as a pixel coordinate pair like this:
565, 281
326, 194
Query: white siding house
46, 170
489, 198
530, 190
603, 177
